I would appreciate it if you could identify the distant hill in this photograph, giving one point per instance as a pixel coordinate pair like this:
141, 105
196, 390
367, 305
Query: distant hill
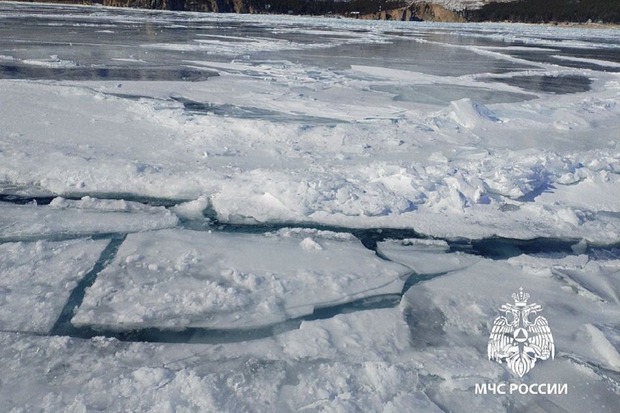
529, 11
546, 11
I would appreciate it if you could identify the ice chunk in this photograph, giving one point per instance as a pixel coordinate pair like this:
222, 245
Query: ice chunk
425, 257
469, 113
177, 278
309, 244
53, 61
597, 346
599, 278
193, 209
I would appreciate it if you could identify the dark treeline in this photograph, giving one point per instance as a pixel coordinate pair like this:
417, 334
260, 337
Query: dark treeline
545, 11
322, 7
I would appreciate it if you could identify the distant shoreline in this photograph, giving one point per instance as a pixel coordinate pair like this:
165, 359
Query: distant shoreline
404, 10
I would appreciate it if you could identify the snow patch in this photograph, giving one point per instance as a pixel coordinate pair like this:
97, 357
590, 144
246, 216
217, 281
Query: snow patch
309, 244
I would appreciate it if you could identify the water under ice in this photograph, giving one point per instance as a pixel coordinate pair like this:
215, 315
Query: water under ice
205, 212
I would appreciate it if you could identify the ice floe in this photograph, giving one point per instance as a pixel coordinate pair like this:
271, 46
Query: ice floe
175, 279
36, 279
64, 218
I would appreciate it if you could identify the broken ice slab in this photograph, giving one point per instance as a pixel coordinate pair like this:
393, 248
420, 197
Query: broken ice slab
425, 256
37, 278
178, 278
578, 296
70, 218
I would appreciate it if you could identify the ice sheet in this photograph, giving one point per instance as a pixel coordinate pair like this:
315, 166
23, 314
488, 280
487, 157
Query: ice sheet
324, 133
175, 279
147, 377
428, 353
456, 131
36, 279
455, 312
88, 216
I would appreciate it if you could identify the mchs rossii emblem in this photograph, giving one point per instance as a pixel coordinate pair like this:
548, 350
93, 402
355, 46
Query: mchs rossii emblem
518, 341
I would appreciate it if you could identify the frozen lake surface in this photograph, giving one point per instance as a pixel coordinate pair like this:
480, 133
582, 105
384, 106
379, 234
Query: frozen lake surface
208, 212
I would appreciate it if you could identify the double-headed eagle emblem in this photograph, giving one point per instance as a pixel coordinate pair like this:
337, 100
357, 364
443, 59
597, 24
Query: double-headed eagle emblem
516, 340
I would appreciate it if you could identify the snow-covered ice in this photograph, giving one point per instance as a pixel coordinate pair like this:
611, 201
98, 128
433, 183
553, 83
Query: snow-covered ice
425, 355
179, 279
204, 212
37, 278
64, 218
422, 256
446, 314
454, 125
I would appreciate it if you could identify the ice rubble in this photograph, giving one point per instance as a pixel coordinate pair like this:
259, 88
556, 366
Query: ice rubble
428, 353
385, 166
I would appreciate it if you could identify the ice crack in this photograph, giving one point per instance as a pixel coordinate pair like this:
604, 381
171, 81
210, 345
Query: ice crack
63, 324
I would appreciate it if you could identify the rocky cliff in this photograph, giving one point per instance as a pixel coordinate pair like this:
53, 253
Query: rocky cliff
414, 12
391, 9
530, 11
418, 11
216, 6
